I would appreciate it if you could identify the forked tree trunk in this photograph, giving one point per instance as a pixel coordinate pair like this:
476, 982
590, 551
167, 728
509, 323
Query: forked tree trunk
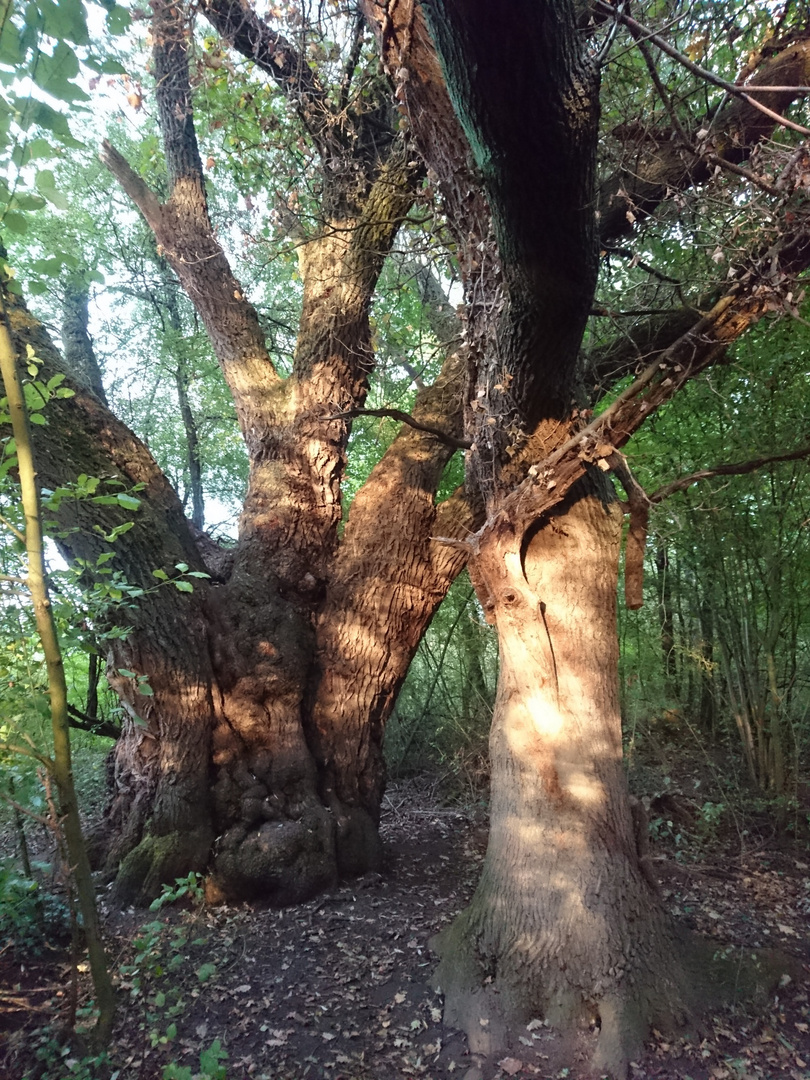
270, 684
566, 923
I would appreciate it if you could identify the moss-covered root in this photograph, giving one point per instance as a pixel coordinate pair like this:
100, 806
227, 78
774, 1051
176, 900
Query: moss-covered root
157, 861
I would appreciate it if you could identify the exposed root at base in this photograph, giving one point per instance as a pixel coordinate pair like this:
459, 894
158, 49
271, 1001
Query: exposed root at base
157, 861
494, 1016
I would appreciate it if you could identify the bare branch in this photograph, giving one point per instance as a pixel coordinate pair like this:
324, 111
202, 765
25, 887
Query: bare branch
405, 418
733, 469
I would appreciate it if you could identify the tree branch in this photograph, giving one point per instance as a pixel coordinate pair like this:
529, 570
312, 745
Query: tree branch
742, 92
405, 418
256, 40
662, 166
94, 725
733, 469
143, 197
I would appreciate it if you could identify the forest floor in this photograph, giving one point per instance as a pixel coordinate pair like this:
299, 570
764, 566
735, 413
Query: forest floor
338, 988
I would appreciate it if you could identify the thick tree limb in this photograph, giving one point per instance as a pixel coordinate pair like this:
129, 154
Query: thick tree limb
660, 166
79, 354
542, 217
274, 54
143, 197
636, 347
638, 506
753, 295
184, 234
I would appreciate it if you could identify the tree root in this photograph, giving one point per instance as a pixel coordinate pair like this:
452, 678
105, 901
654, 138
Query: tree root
493, 1013
157, 861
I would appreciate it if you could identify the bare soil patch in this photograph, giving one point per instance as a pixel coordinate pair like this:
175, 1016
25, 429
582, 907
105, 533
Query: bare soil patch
339, 988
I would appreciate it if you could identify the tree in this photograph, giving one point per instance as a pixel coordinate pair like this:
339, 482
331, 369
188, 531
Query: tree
273, 681
566, 921
277, 676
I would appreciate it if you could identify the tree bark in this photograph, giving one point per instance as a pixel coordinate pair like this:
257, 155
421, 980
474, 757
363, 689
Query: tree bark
272, 683
566, 923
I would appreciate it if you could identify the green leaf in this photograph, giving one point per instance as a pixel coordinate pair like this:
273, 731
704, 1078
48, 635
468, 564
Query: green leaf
205, 972
51, 267
184, 586
119, 530
12, 51
45, 116
38, 419
127, 673
129, 502
111, 67
118, 20
181, 566
40, 148
105, 557
65, 20
161, 575
15, 222
27, 201
46, 185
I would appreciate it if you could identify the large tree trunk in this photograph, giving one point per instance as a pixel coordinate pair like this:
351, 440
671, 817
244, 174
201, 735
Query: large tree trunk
566, 923
271, 684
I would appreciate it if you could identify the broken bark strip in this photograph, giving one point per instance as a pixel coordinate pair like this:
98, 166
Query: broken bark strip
638, 506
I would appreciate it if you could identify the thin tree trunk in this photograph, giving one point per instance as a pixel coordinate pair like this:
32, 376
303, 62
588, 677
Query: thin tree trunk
79, 354
60, 766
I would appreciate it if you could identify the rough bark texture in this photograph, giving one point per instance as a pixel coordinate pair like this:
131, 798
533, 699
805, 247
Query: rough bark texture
273, 681
566, 922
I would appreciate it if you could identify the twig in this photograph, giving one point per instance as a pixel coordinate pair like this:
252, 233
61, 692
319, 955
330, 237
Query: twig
746, 174
743, 92
46, 821
626, 253
12, 529
405, 418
